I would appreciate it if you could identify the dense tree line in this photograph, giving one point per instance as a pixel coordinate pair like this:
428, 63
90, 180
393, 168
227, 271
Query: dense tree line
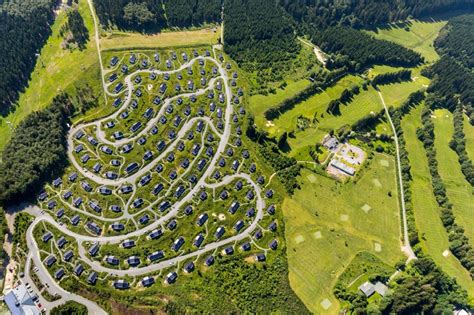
25, 26
346, 96
358, 50
452, 83
36, 151
458, 242
76, 28
233, 287
152, 15
392, 77
367, 13
405, 166
319, 84
287, 169
69, 308
368, 122
424, 288
185, 13
458, 144
142, 14
457, 40
258, 34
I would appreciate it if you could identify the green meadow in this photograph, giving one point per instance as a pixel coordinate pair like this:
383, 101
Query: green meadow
258, 103
434, 238
328, 223
459, 191
416, 35
55, 71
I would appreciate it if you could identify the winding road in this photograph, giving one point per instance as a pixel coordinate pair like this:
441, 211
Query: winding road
34, 251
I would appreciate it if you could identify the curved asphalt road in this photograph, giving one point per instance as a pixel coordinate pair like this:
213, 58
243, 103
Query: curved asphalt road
34, 254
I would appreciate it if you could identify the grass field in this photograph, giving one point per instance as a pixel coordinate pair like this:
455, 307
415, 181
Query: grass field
327, 224
316, 104
458, 189
469, 132
396, 94
258, 104
314, 109
121, 40
61, 68
434, 239
419, 37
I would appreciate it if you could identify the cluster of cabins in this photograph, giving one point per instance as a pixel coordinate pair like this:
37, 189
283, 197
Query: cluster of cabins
133, 260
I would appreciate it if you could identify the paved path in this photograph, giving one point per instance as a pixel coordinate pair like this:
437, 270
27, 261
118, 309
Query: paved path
40, 216
406, 248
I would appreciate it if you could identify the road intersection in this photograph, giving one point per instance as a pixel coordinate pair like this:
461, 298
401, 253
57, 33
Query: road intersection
224, 136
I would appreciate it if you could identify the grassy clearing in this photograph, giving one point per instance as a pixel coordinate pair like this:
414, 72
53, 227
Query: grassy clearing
396, 94
121, 40
258, 104
469, 132
315, 110
381, 69
316, 104
55, 71
458, 189
419, 36
434, 239
326, 226
362, 267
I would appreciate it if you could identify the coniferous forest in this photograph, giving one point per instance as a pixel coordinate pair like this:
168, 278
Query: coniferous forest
36, 152
367, 13
358, 50
25, 26
258, 31
261, 36
456, 40
152, 15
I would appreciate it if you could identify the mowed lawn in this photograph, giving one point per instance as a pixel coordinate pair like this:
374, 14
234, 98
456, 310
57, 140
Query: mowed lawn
315, 110
258, 103
122, 40
434, 238
419, 37
314, 105
327, 224
459, 191
61, 68
396, 94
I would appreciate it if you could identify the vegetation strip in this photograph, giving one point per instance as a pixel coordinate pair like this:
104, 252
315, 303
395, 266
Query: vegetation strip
459, 242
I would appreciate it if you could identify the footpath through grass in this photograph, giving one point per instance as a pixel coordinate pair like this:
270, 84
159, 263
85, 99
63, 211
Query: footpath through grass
55, 71
327, 224
459, 191
434, 238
